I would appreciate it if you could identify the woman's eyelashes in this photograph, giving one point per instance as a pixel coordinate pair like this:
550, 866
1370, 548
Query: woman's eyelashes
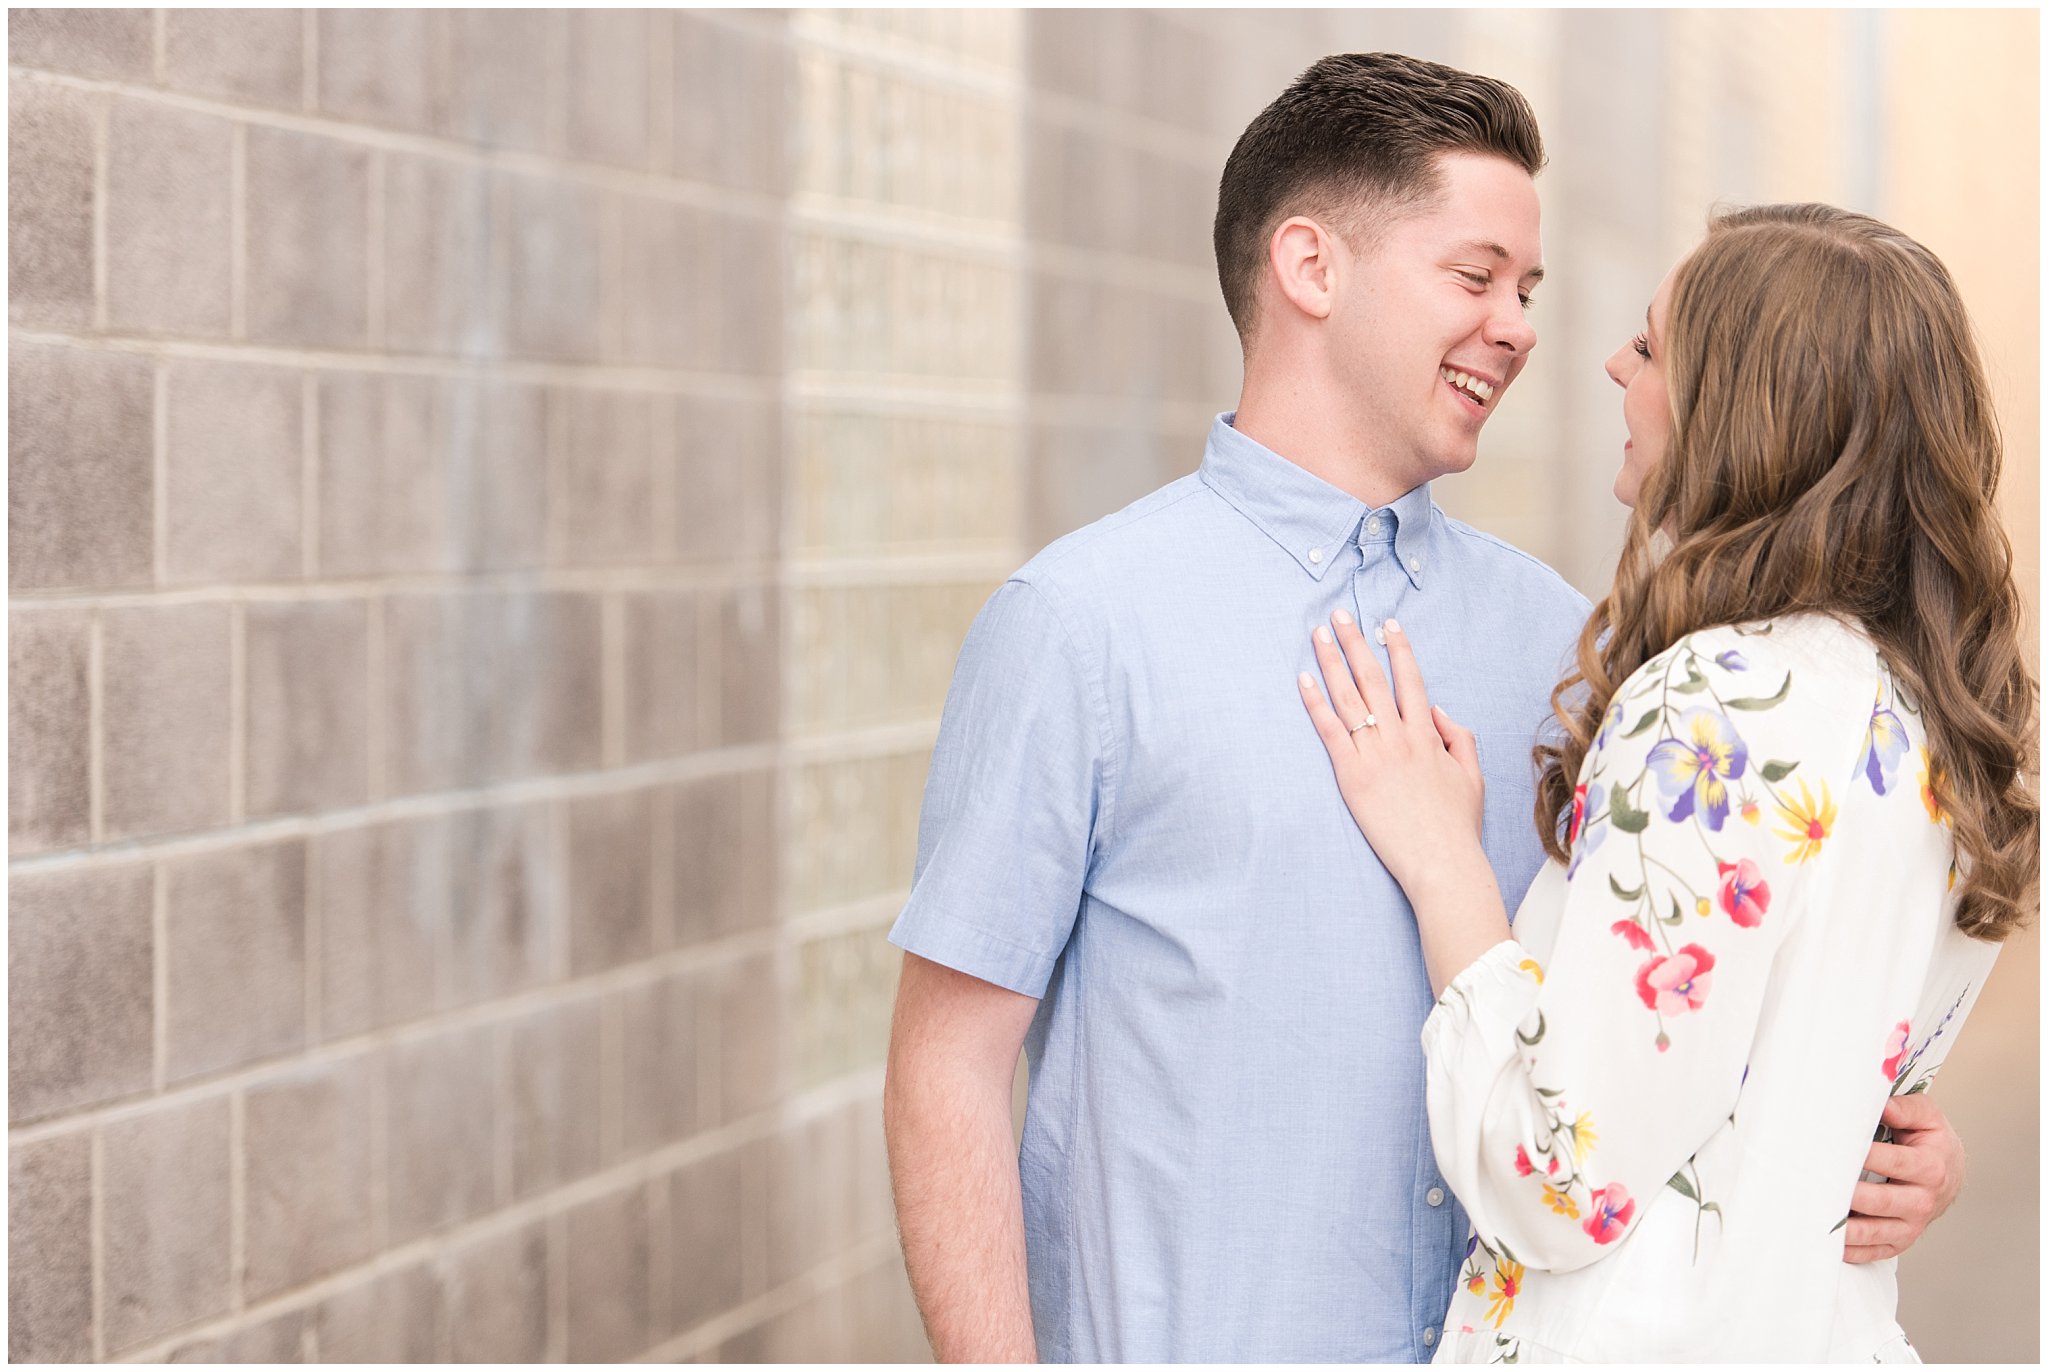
1641, 343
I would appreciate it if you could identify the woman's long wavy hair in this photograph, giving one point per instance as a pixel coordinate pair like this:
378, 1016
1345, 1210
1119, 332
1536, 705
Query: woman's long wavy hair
1833, 449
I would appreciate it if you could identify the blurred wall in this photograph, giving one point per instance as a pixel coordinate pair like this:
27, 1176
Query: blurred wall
495, 498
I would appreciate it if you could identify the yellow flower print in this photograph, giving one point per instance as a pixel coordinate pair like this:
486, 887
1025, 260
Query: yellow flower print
1932, 782
1583, 1137
1752, 813
1532, 967
1507, 1284
1704, 907
1807, 823
1560, 1202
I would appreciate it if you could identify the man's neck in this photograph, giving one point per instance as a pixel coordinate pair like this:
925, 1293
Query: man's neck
1319, 442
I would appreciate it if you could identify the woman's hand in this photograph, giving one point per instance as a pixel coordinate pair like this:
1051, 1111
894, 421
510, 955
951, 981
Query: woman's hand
1410, 776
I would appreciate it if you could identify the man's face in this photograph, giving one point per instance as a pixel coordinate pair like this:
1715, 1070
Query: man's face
1434, 326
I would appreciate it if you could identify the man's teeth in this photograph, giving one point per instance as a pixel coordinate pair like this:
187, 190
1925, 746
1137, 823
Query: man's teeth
1471, 383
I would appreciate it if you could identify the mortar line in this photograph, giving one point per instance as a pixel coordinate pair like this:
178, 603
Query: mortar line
96, 1186
663, 482
650, 378
673, 190
309, 61
557, 1341
555, 92
501, 1119
315, 932
160, 975
309, 476
662, 884
380, 1152
613, 655
564, 875
375, 763
603, 986
238, 1198
661, 85
238, 711
661, 1278
554, 445
611, 1103
95, 729
160, 470
836, 1094
102, 145
834, 1271
376, 189
238, 232
691, 767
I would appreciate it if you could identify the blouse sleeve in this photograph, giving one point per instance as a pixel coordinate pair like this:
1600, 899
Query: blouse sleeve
1562, 1099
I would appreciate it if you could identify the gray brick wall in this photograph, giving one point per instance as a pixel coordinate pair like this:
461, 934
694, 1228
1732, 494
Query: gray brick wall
400, 963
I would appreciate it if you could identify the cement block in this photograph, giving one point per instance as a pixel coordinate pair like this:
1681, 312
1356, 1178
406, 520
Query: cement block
80, 988
49, 1249
49, 205
165, 1218
307, 689
169, 219
164, 715
48, 729
234, 442
80, 468
236, 957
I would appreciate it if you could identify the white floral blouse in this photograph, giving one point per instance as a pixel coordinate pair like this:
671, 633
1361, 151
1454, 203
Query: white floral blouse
1656, 1099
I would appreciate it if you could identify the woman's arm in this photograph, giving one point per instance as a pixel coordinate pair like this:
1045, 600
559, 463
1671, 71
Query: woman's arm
1561, 1097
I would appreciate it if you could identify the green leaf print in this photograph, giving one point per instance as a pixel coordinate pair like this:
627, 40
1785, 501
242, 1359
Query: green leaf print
1762, 702
1775, 770
1624, 892
1623, 815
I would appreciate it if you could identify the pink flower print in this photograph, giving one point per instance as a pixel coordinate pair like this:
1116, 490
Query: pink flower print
1673, 985
1636, 936
1611, 1210
1694, 772
1895, 1048
1522, 1165
1550, 1168
1745, 895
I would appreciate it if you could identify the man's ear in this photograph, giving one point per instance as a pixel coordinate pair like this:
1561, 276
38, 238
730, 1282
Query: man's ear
1303, 257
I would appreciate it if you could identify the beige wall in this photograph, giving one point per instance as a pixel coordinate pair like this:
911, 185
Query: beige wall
494, 500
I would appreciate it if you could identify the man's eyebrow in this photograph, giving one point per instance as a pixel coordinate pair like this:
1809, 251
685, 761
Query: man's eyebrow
1488, 246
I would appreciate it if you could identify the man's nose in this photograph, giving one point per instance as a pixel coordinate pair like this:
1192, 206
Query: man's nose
1511, 329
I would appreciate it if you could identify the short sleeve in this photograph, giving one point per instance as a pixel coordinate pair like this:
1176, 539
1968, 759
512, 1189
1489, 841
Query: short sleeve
1563, 1098
1011, 803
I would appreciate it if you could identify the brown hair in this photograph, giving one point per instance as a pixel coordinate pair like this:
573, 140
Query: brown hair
1354, 140
1833, 449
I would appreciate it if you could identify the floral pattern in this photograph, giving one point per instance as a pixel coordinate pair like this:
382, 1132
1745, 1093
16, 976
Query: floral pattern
1723, 775
1699, 755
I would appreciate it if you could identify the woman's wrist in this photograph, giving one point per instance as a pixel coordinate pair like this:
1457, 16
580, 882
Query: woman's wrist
1449, 879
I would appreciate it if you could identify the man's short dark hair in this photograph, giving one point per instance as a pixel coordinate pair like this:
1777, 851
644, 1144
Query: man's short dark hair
1353, 142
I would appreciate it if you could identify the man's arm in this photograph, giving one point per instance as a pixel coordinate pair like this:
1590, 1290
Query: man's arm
1925, 1167
953, 1160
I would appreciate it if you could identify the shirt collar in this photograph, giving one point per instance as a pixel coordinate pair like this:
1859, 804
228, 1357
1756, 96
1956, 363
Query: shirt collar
1307, 516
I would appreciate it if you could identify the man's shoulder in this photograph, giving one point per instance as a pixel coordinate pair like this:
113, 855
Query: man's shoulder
1119, 542
1536, 580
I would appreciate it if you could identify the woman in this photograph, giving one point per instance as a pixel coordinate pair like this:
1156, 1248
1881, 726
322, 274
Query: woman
1789, 816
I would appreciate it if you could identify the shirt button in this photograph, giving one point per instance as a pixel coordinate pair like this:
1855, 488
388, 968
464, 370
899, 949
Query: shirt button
1315, 554
1435, 1196
1429, 1337
1414, 564
1372, 526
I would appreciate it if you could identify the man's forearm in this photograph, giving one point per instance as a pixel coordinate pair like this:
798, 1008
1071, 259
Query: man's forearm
953, 1164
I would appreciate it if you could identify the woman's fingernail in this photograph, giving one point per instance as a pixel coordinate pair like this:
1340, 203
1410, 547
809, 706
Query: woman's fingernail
1379, 636
1393, 627
1323, 635
1308, 683
1342, 616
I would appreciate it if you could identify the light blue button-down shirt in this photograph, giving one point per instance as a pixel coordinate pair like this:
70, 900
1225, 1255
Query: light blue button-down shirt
1129, 815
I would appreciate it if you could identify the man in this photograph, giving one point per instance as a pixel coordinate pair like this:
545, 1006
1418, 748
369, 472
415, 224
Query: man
1133, 861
